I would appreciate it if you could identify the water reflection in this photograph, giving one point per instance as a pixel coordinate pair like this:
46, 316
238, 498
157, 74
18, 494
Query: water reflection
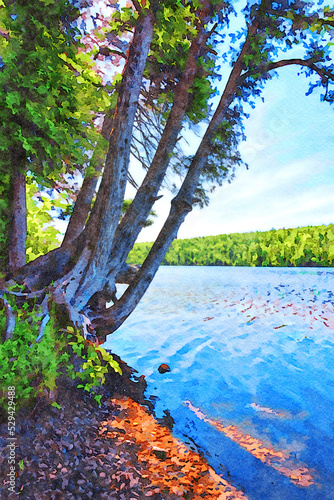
279, 460
253, 348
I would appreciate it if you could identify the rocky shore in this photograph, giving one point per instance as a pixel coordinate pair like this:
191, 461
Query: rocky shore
114, 451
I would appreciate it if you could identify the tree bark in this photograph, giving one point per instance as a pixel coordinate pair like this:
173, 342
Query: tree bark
18, 231
82, 207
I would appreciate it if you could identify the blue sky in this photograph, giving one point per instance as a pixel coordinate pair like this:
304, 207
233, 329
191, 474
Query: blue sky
290, 180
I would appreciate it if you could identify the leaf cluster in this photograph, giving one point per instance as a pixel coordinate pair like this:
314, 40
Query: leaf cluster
50, 91
97, 362
148, 222
42, 236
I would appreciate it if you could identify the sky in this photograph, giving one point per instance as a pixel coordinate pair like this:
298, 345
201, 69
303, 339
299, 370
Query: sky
290, 177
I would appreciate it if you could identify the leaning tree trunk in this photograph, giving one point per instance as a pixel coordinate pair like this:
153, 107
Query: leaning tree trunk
138, 212
87, 192
111, 319
88, 276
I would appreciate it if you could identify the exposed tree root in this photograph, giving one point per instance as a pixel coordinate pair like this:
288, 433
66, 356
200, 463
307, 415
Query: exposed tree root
10, 319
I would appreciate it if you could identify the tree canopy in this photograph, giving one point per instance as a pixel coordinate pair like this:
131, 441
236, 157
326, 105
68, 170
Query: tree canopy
89, 86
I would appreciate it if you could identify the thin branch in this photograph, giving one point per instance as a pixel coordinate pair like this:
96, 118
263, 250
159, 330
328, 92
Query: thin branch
135, 153
132, 181
106, 51
137, 6
212, 51
318, 20
326, 21
146, 142
75, 71
213, 30
302, 62
27, 296
285, 62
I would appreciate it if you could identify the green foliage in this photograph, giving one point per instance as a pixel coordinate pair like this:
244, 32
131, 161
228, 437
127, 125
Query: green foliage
50, 95
97, 363
307, 246
175, 28
148, 222
49, 91
33, 367
56, 405
138, 253
42, 236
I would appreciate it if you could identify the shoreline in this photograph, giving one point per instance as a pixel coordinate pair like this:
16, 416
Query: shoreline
118, 450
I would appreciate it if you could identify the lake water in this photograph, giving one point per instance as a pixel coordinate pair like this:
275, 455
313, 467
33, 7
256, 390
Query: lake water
251, 352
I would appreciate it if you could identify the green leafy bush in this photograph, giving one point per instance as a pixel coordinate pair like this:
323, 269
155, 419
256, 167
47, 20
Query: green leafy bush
97, 361
33, 367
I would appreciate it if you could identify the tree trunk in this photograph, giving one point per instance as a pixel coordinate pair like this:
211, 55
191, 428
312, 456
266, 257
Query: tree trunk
136, 215
111, 319
89, 273
18, 231
86, 194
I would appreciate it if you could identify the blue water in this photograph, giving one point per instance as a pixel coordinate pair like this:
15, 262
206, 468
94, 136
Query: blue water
248, 347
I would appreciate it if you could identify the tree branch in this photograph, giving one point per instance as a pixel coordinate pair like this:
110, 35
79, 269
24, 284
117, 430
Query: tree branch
26, 296
324, 22
106, 51
137, 6
286, 62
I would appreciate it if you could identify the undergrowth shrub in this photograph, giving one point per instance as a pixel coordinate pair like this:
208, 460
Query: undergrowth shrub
33, 366
97, 362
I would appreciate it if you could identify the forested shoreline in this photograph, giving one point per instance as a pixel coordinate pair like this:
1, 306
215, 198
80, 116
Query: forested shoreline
305, 246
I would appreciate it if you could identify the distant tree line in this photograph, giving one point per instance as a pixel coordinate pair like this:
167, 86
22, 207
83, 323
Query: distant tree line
305, 246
